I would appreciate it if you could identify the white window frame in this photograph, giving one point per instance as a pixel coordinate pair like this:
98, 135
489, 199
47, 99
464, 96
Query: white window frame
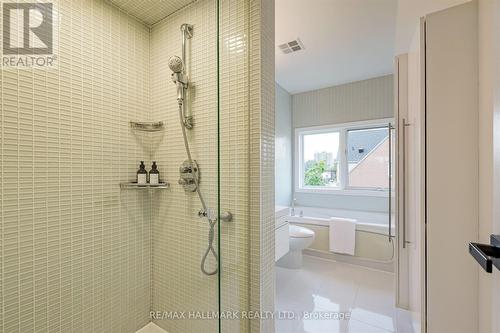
343, 174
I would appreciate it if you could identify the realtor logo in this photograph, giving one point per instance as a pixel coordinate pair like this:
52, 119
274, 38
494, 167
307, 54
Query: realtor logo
28, 34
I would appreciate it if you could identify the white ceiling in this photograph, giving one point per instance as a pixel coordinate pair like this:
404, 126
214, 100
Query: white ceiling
345, 41
150, 11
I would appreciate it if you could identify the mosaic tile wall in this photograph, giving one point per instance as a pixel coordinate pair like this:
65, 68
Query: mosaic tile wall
267, 160
178, 284
262, 96
235, 159
179, 235
151, 11
75, 249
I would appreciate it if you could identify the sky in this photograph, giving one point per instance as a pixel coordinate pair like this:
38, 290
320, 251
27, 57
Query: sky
328, 142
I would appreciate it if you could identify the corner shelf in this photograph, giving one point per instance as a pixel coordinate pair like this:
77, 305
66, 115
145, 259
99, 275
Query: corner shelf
147, 126
135, 186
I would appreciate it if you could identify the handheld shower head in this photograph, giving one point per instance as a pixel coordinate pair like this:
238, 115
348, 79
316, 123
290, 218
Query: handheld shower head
178, 77
176, 64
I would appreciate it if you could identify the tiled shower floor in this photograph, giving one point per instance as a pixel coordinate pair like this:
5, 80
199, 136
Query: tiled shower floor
151, 328
325, 287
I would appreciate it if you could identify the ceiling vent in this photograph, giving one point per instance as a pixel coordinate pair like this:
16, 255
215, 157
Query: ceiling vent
292, 46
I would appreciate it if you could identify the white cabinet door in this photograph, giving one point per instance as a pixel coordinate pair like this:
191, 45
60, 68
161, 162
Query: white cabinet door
451, 61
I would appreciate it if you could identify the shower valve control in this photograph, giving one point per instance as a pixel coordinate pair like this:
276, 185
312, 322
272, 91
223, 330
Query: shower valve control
212, 215
186, 169
189, 176
209, 214
185, 182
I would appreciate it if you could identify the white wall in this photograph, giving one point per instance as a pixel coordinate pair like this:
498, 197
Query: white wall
355, 101
283, 162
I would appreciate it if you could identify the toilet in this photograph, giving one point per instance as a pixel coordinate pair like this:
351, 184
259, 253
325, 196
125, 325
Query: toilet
300, 239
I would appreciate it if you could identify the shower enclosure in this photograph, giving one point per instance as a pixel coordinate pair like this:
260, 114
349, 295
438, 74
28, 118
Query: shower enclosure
83, 247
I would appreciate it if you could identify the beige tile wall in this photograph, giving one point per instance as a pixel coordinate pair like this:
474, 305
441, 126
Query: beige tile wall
234, 160
151, 11
75, 250
262, 111
178, 284
179, 235
267, 161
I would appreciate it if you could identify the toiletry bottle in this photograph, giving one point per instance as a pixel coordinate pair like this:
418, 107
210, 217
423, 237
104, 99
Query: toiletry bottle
154, 174
142, 174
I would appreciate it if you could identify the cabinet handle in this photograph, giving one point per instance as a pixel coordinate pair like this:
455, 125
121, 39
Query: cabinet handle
403, 139
390, 128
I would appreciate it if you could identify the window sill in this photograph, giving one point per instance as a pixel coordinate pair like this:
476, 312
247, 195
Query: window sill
330, 191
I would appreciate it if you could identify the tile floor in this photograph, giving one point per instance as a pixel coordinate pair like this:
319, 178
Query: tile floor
151, 328
325, 287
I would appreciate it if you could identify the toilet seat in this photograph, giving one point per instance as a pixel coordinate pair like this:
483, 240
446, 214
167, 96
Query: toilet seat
300, 232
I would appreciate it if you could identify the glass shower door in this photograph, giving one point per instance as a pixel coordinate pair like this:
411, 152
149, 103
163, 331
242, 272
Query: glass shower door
185, 270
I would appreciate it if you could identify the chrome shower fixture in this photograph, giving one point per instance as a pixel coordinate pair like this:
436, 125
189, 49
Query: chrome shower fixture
189, 170
189, 176
176, 64
179, 76
181, 81
187, 29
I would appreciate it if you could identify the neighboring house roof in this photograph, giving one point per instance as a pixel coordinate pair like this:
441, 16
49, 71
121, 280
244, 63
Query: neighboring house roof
372, 171
361, 143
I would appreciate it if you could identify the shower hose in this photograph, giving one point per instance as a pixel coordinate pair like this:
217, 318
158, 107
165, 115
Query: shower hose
211, 222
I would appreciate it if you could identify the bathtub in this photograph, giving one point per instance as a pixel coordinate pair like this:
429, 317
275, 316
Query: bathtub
373, 248
365, 221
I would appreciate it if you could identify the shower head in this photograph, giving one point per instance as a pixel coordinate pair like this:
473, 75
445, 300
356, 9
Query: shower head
176, 64
178, 77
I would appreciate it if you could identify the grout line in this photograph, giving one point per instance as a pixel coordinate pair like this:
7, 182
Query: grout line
376, 327
349, 264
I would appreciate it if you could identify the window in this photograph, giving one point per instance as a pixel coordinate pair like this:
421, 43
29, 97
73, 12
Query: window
321, 159
344, 157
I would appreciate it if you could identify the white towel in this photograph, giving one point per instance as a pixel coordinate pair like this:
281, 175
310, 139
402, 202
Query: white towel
342, 235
